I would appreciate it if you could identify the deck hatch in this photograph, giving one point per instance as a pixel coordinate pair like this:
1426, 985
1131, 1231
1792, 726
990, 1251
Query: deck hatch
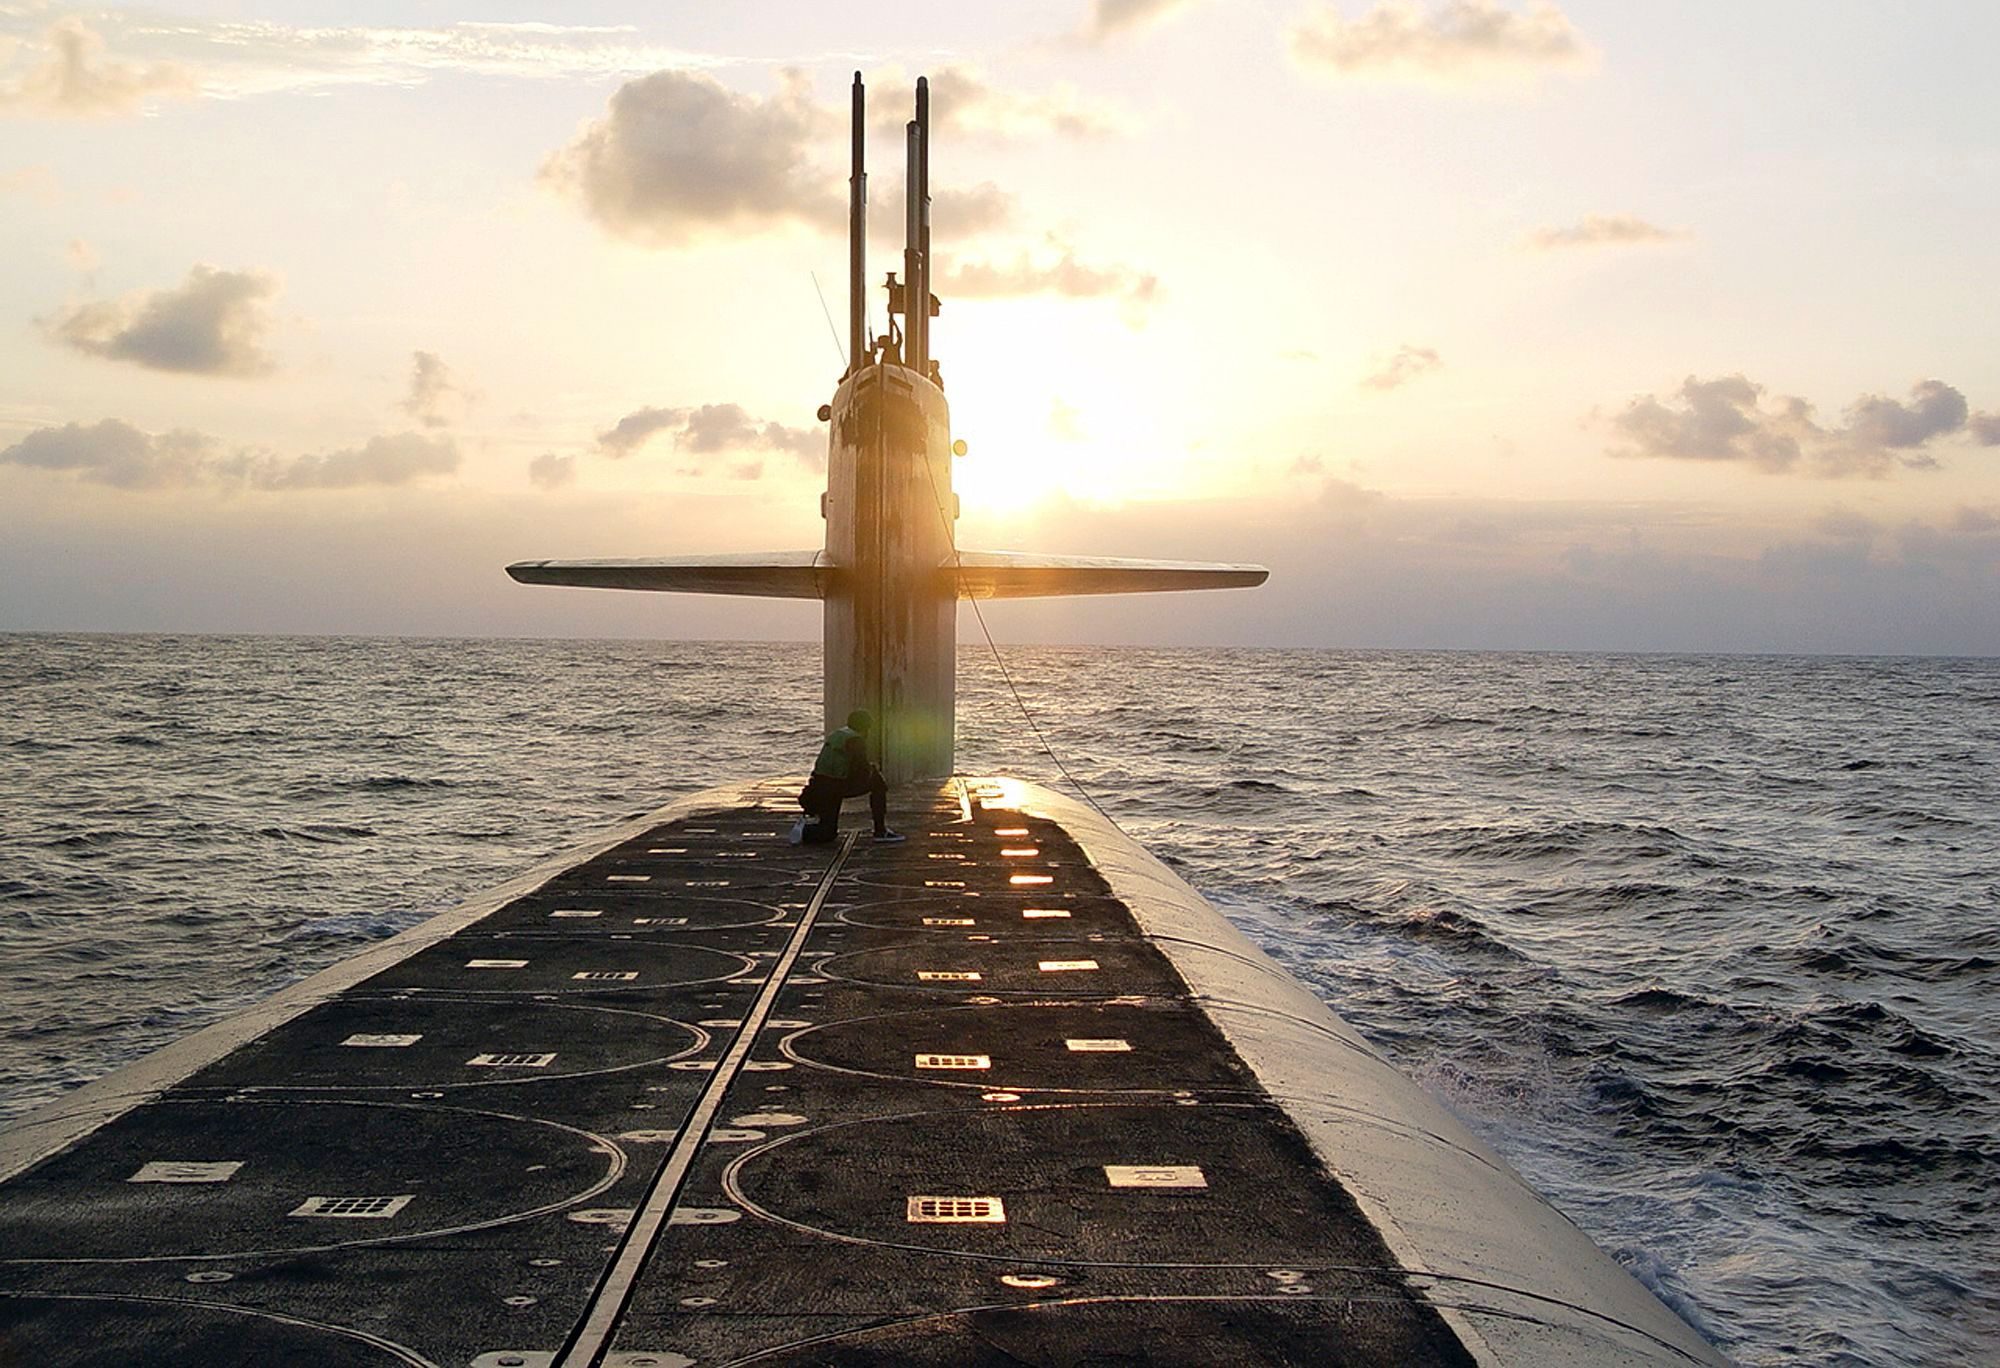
956, 1211
186, 1171
354, 1208
1155, 1175
954, 1061
511, 1061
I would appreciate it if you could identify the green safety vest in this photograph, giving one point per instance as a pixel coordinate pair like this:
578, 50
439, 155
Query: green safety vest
833, 758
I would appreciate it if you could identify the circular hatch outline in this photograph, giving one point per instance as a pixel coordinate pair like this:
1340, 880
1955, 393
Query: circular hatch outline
732, 1186
785, 1047
402, 1352
605, 1147
702, 1040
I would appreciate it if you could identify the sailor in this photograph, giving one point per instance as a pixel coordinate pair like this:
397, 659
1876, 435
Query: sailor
843, 771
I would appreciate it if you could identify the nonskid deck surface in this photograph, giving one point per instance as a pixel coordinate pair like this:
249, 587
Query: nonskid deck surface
713, 1098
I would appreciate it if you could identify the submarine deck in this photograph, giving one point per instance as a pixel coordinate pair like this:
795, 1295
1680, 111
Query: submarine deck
707, 1097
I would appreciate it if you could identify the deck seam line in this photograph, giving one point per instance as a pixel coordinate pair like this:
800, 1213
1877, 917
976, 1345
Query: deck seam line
602, 1318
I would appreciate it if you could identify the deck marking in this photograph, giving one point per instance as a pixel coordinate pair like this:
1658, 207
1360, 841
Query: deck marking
628, 878
576, 912
1032, 913
1010, 831
495, 964
511, 1061
389, 1042
1155, 1175
954, 1061
955, 1211
948, 921
186, 1171
1019, 879
587, 1344
353, 1208
1067, 966
1104, 1046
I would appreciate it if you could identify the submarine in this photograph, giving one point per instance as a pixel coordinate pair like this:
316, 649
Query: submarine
1009, 1092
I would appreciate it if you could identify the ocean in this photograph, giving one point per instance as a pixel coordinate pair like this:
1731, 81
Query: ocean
1706, 946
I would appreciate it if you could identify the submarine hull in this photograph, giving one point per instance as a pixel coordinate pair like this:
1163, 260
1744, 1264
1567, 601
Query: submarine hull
1009, 1093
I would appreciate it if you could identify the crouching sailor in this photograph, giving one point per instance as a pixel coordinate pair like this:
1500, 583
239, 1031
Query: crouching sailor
843, 771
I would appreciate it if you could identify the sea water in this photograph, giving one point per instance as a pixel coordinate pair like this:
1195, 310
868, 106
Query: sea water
1706, 946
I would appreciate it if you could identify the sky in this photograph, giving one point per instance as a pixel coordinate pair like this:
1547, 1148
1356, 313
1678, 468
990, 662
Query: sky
1485, 324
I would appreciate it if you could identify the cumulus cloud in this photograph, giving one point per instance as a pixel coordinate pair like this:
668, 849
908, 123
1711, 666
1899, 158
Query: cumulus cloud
113, 452
966, 107
678, 156
1114, 18
213, 323
434, 396
1409, 363
712, 430
1985, 428
550, 471
1455, 42
1063, 275
1727, 419
392, 460
1603, 230
74, 78
116, 453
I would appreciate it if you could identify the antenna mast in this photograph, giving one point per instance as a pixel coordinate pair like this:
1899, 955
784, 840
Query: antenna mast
916, 236
857, 235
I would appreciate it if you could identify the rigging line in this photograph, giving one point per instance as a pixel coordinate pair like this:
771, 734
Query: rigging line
831, 330
951, 539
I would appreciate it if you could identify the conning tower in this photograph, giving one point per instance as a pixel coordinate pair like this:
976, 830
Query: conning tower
890, 574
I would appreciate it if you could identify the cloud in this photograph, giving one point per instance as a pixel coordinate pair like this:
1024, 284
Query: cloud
1454, 42
1727, 420
1113, 18
550, 471
678, 156
75, 79
1876, 424
966, 107
1064, 276
434, 396
1603, 230
213, 323
392, 460
1409, 363
1985, 428
711, 430
234, 59
113, 452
